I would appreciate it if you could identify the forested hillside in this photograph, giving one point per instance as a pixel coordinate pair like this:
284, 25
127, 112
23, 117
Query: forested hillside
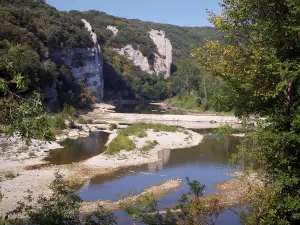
30, 31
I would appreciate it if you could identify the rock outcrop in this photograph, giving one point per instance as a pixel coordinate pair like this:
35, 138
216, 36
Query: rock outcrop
163, 58
136, 56
163, 61
86, 64
113, 29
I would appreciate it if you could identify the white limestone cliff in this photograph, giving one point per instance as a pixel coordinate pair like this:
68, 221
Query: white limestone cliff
136, 56
86, 64
163, 59
113, 29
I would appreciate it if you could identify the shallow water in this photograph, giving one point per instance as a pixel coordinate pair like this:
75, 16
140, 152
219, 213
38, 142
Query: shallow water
79, 149
207, 163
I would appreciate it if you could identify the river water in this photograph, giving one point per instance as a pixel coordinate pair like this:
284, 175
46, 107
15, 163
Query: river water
207, 163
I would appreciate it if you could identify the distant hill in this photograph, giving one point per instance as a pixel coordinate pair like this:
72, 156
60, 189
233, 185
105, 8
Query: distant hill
41, 30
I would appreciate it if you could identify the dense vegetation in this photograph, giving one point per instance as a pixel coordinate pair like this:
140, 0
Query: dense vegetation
29, 32
261, 67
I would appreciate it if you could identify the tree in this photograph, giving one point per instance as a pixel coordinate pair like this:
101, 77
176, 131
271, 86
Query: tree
192, 209
61, 207
260, 64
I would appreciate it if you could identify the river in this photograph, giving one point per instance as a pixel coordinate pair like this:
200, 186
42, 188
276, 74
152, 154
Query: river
207, 163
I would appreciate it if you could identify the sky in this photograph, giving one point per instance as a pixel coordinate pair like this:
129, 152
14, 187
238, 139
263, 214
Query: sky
177, 12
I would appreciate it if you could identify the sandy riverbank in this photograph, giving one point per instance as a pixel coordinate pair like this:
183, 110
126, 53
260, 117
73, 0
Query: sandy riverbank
38, 180
187, 121
158, 191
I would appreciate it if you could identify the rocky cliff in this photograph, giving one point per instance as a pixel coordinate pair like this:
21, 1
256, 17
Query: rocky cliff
86, 64
163, 58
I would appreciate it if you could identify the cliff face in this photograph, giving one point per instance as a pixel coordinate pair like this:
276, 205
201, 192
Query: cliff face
163, 58
86, 64
163, 61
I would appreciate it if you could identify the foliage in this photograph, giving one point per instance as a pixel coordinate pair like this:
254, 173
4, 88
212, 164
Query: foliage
224, 131
122, 79
148, 146
113, 126
10, 175
25, 116
191, 209
62, 207
192, 87
135, 32
120, 143
123, 142
138, 128
61, 120
261, 66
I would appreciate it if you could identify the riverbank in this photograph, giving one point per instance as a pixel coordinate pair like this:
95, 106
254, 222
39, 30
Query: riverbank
35, 175
157, 190
186, 121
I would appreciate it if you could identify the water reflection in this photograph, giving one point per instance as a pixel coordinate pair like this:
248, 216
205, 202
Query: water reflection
79, 149
207, 162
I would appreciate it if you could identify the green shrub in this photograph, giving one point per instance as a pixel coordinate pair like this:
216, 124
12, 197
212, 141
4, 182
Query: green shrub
59, 121
148, 146
139, 129
11, 175
113, 126
121, 142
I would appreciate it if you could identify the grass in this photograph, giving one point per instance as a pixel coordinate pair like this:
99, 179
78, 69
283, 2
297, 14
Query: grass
10, 175
139, 129
121, 142
186, 102
148, 146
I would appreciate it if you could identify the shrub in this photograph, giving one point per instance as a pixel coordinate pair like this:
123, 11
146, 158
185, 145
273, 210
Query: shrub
11, 175
139, 129
121, 142
148, 146
62, 207
59, 121
113, 126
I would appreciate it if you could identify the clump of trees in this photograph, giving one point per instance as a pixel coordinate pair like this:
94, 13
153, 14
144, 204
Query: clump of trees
260, 64
193, 88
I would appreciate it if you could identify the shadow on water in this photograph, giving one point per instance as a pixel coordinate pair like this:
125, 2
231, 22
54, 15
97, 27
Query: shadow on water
79, 149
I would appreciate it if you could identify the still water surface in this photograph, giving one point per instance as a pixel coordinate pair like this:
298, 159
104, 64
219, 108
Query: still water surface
207, 163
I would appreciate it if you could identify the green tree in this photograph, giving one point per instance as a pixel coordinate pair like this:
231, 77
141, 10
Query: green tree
192, 209
61, 207
261, 66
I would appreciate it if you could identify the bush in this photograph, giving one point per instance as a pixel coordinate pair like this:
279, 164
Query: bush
11, 175
62, 207
60, 120
139, 129
121, 142
113, 126
148, 146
